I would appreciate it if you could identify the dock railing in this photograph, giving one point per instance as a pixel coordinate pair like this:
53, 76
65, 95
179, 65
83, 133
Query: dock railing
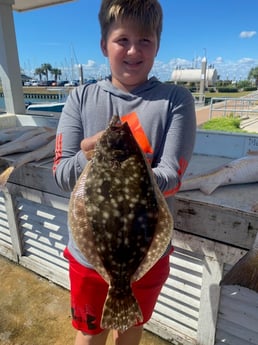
236, 107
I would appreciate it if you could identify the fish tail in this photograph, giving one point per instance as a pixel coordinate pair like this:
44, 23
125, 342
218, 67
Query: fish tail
121, 313
244, 272
5, 176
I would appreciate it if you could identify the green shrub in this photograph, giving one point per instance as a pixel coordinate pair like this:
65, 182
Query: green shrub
250, 88
227, 89
225, 124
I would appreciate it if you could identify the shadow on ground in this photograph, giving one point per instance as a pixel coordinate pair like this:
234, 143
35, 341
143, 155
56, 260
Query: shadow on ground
34, 311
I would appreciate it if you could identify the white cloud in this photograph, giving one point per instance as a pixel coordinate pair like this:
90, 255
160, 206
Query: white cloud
246, 61
234, 69
226, 69
90, 64
218, 60
247, 34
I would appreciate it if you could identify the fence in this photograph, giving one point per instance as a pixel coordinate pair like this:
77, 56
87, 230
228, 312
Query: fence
238, 107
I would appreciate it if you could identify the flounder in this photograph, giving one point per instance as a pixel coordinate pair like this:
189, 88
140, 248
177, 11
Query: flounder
119, 220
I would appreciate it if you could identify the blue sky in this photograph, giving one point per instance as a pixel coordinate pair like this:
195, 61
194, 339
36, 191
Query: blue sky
225, 31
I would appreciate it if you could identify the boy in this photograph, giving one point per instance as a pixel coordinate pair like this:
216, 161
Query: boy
163, 116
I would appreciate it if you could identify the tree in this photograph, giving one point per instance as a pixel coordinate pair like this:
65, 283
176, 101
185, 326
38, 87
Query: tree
56, 72
46, 67
38, 71
253, 74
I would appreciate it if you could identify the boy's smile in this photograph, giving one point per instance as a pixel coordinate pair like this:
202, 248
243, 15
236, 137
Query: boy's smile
131, 54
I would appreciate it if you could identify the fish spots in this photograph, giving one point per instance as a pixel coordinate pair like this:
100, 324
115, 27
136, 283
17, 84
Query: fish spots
121, 213
105, 215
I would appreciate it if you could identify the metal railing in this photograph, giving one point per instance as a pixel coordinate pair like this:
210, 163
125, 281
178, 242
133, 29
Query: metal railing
237, 107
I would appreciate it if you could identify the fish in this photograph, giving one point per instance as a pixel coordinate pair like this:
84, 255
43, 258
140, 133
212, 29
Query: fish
239, 171
44, 151
119, 220
12, 133
29, 141
245, 271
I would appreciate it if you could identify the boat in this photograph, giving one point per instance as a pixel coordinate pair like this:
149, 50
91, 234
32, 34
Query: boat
53, 109
47, 109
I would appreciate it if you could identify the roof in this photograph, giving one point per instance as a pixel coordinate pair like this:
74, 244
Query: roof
25, 5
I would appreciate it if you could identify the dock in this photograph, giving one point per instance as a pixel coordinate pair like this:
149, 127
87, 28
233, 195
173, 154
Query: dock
211, 234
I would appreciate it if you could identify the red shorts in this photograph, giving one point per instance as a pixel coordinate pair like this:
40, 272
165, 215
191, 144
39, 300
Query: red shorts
89, 291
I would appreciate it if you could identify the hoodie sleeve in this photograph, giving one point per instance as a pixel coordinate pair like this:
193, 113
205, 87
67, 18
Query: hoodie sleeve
178, 143
69, 160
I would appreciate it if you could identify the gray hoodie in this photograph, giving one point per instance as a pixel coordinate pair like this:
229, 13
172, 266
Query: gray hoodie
165, 113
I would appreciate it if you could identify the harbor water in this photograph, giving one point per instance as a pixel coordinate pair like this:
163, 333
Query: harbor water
30, 99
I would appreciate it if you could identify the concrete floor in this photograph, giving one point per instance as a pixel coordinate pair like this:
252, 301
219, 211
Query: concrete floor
34, 311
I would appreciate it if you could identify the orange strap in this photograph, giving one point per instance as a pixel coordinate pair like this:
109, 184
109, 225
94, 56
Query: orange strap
138, 132
182, 168
58, 151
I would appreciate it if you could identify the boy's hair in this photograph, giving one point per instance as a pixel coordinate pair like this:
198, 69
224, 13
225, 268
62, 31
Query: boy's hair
146, 13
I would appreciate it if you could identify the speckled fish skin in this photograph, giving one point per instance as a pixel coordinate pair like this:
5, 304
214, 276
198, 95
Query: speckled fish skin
119, 220
238, 171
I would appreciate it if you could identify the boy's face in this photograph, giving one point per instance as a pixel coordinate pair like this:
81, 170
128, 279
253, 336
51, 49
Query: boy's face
131, 54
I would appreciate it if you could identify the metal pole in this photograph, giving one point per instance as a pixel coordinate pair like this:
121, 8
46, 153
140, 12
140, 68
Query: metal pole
203, 79
81, 74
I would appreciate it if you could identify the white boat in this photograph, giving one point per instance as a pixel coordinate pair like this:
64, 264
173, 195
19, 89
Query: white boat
47, 109
53, 109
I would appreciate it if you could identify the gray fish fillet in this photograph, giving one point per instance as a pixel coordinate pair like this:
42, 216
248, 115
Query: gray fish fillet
119, 220
12, 133
245, 271
29, 141
239, 171
45, 151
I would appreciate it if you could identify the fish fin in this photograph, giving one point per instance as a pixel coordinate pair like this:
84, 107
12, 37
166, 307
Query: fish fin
120, 314
5, 176
244, 272
209, 188
161, 239
77, 219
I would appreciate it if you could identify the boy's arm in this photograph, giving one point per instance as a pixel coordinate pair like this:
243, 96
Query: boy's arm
69, 159
178, 146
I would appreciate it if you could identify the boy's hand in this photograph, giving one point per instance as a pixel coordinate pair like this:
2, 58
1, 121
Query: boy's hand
88, 144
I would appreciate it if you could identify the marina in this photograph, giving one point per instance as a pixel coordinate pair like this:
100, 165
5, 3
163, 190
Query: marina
49, 101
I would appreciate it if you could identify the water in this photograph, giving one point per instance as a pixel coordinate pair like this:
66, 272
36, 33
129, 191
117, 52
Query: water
2, 103
29, 100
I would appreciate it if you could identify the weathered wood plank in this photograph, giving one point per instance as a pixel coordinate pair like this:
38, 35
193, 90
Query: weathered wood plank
171, 291
188, 312
209, 301
216, 222
52, 273
201, 247
36, 176
52, 194
7, 251
13, 222
223, 144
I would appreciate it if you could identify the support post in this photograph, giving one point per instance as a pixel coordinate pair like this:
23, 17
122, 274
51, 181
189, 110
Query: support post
10, 73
